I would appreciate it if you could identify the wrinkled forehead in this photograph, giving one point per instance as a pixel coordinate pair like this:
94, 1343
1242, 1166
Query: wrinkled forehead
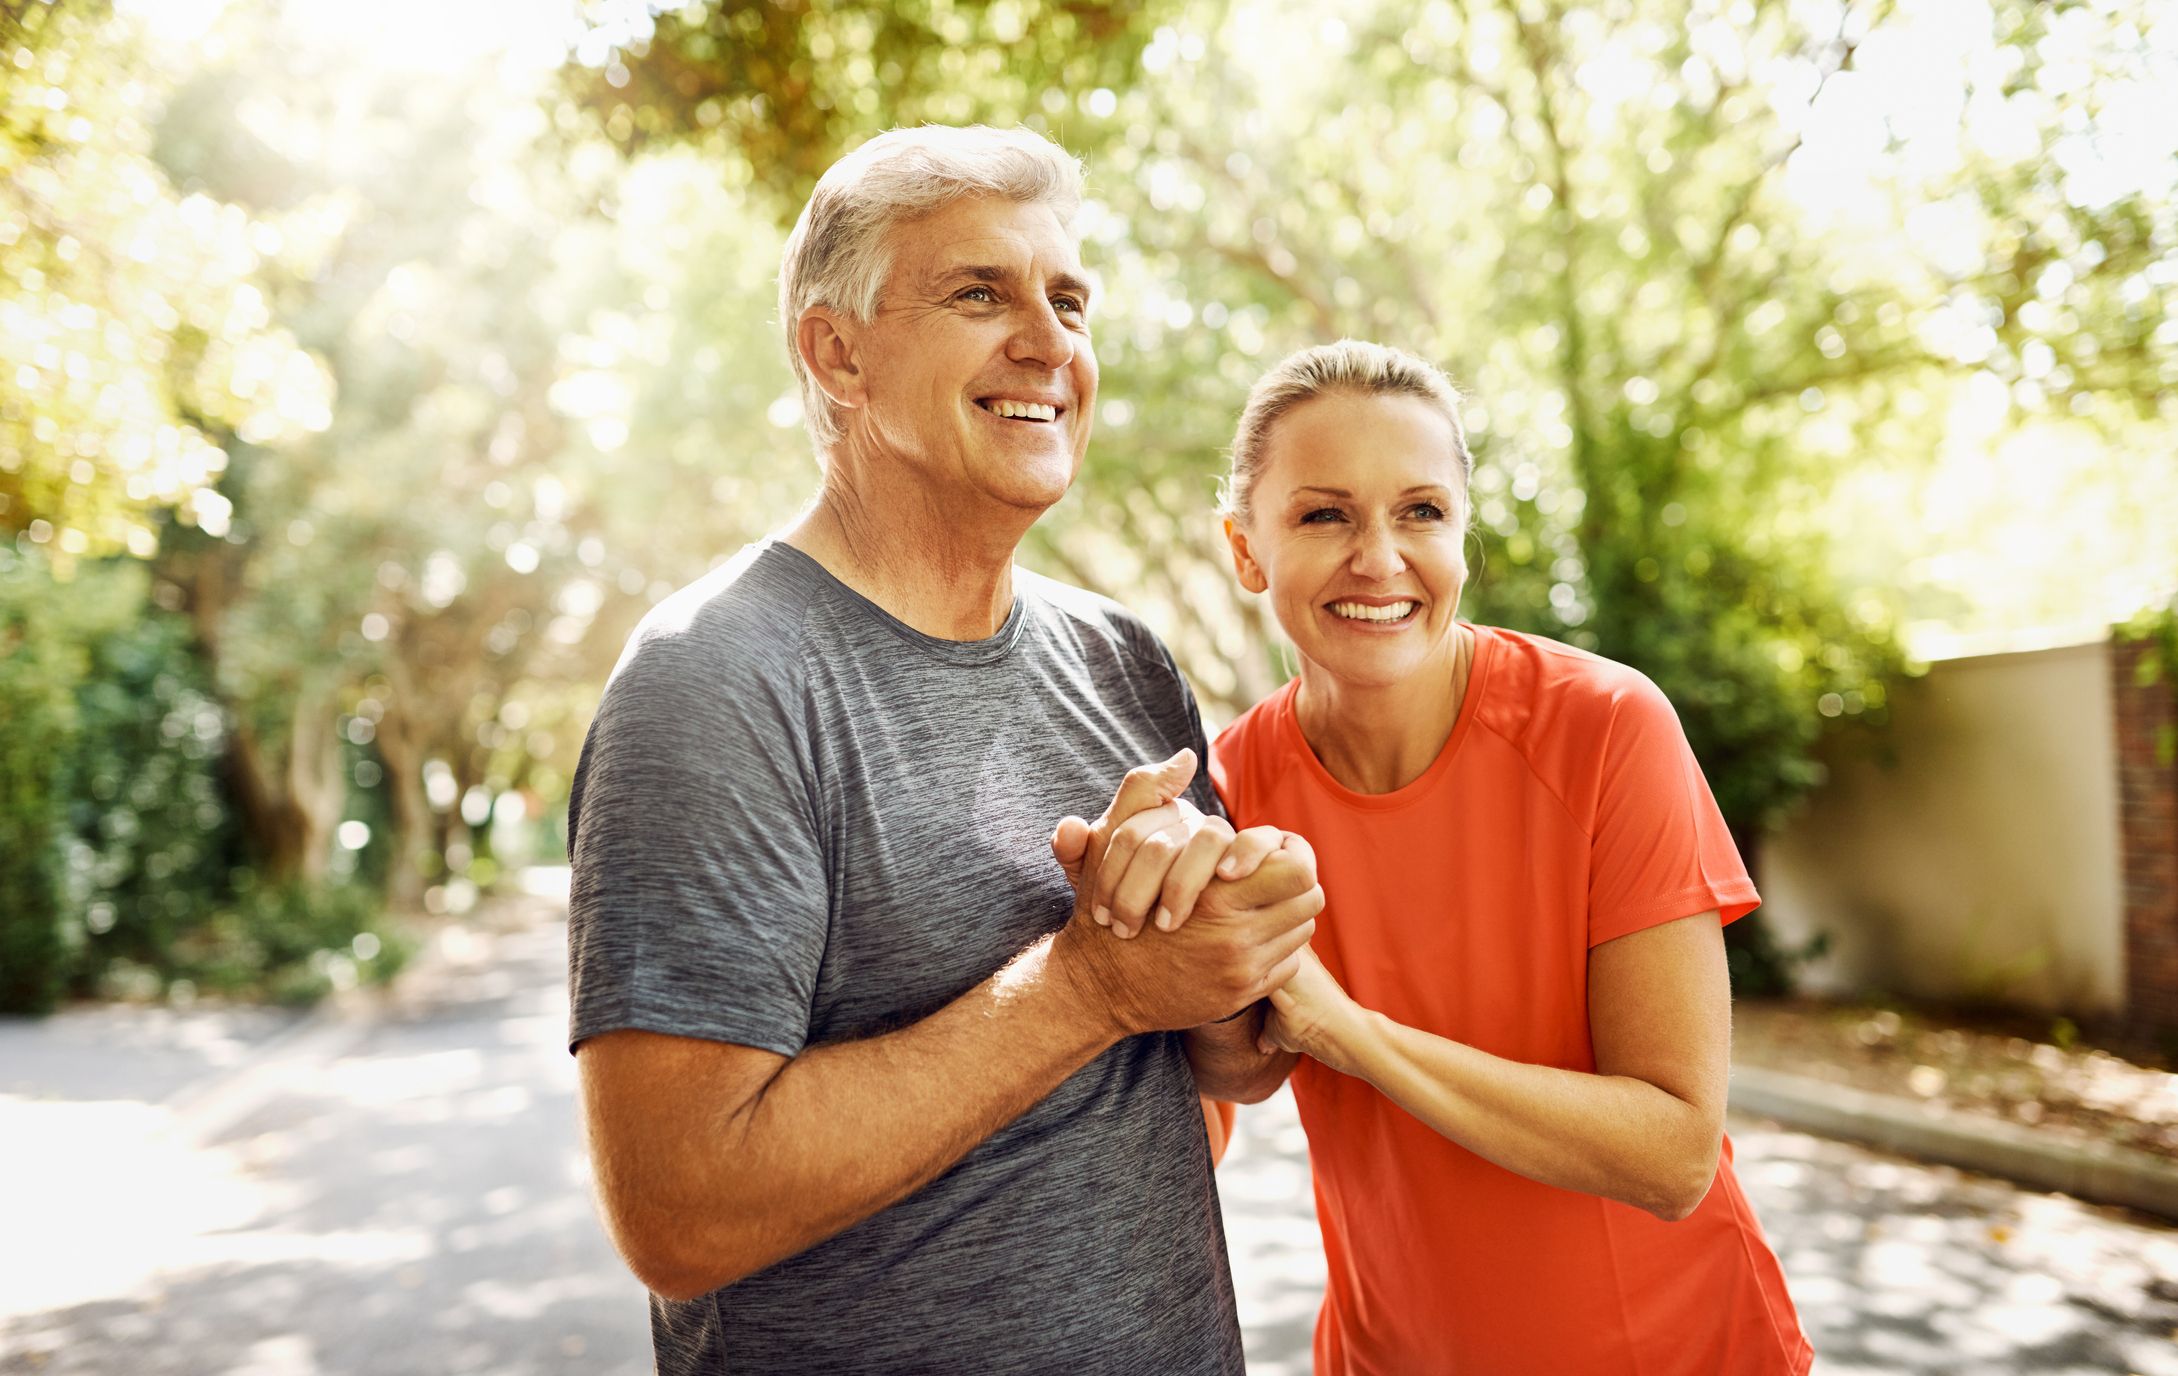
985, 238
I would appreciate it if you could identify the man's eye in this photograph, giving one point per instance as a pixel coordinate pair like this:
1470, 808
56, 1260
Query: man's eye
981, 294
1066, 303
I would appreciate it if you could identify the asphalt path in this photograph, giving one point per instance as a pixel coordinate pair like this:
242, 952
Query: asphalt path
386, 1190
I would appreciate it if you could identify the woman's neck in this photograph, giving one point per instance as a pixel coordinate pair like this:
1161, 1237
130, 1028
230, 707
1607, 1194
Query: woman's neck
1377, 738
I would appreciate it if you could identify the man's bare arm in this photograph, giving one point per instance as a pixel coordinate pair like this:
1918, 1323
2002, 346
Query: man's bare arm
713, 1161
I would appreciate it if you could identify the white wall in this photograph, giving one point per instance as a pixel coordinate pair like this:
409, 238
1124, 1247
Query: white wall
1983, 862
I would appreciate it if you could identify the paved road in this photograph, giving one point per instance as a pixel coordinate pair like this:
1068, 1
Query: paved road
204, 1193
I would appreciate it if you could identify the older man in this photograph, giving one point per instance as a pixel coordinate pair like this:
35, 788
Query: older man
868, 1087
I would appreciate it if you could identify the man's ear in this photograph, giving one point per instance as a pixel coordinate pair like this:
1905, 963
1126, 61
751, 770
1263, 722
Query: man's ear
827, 342
1245, 568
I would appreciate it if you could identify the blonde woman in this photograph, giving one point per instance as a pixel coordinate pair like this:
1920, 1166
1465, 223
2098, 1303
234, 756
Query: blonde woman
1509, 1044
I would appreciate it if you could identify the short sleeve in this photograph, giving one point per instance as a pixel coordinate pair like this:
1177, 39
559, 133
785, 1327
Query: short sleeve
1203, 792
1660, 849
699, 903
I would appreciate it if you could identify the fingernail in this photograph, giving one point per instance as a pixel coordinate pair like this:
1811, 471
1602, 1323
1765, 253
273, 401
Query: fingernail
1164, 920
1103, 917
1122, 933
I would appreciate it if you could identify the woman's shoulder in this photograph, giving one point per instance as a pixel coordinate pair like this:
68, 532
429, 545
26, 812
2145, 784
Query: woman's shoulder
1537, 684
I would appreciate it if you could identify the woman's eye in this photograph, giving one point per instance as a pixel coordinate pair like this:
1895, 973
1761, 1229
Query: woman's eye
1322, 515
1429, 511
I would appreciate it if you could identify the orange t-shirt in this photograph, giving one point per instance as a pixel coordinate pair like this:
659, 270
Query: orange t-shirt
1565, 810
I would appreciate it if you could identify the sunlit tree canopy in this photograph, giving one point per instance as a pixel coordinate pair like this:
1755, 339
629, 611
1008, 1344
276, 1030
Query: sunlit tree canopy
408, 353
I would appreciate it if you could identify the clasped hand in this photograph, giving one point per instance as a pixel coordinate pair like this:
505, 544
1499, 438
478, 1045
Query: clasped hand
1235, 909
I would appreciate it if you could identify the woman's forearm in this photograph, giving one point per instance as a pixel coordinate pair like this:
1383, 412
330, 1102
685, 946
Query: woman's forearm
1608, 1135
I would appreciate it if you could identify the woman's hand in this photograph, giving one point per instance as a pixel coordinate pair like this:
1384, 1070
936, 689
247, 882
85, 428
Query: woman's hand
1152, 848
1314, 1016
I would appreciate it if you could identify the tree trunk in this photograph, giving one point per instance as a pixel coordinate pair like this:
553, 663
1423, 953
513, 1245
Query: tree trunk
410, 812
289, 797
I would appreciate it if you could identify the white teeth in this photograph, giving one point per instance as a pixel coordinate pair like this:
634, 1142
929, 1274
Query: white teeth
1356, 611
1024, 410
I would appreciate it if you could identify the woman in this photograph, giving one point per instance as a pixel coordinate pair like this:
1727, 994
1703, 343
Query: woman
1510, 1044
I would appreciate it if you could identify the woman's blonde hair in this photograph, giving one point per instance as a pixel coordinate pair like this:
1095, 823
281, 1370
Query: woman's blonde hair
1351, 367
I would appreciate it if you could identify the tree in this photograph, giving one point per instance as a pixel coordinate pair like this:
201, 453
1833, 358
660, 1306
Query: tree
130, 325
790, 85
1611, 223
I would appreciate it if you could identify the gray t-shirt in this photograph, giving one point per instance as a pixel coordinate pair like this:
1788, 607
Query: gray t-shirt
798, 820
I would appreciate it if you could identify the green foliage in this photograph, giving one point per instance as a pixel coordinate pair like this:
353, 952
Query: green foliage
151, 840
132, 334
788, 85
1760, 967
448, 367
113, 825
118, 851
40, 665
2159, 627
292, 943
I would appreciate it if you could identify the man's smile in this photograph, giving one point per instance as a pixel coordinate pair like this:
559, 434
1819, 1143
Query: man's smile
1008, 408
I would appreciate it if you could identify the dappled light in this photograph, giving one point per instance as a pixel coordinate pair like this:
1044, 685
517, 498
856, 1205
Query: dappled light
368, 373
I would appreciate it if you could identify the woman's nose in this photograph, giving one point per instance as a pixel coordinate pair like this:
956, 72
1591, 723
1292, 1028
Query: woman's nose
1378, 555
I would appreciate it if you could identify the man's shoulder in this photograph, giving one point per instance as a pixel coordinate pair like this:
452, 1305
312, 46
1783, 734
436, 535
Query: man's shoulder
1079, 614
740, 623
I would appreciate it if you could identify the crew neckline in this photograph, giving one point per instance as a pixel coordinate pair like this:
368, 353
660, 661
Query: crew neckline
962, 652
1478, 674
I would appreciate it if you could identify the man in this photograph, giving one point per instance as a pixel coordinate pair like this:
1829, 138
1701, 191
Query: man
868, 1087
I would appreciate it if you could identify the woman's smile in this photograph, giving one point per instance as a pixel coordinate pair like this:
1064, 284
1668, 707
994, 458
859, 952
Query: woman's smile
1375, 615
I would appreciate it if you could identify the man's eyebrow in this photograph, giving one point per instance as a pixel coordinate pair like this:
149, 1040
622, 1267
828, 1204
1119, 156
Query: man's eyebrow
991, 272
1068, 282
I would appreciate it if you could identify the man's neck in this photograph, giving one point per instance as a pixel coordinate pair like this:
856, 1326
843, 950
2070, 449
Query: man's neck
948, 574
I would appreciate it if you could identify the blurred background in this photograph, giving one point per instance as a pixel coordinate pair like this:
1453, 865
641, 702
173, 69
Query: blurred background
367, 371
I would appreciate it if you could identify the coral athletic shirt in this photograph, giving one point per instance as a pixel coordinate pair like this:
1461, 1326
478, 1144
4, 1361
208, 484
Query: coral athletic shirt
1566, 809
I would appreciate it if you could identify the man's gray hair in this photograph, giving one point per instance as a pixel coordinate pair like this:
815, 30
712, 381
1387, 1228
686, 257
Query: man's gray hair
838, 255
1351, 367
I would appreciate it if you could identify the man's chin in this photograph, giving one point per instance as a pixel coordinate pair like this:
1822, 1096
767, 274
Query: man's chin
1034, 482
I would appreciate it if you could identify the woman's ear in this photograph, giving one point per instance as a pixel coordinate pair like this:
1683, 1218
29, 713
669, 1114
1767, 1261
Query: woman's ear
826, 343
1245, 568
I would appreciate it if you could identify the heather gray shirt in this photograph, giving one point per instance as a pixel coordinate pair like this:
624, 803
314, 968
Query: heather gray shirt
797, 820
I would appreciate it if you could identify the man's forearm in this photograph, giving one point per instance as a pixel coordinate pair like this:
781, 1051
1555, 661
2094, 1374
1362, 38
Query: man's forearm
845, 1130
1227, 1064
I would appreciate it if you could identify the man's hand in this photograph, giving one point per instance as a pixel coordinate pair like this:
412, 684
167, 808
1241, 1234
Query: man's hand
1245, 940
1152, 846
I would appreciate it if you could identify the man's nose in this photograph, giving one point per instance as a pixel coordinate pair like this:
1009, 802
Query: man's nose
1040, 337
1377, 554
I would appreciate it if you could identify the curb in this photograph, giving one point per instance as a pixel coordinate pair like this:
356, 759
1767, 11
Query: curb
2094, 1171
